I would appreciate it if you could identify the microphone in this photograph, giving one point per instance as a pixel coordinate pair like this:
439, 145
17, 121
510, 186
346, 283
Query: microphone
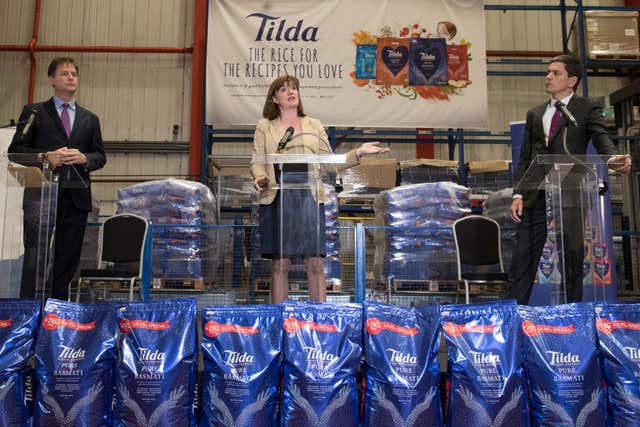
566, 113
32, 118
285, 138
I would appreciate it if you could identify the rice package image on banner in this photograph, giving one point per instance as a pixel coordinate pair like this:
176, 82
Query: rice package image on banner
18, 325
561, 363
401, 365
157, 364
242, 350
322, 351
484, 364
75, 356
618, 331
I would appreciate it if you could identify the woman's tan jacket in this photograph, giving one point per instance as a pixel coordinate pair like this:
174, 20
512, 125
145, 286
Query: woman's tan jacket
265, 141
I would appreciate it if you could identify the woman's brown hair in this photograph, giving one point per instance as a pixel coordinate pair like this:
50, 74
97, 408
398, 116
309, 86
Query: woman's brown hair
271, 110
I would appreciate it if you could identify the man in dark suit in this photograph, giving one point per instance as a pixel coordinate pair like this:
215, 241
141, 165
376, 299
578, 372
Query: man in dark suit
543, 134
69, 138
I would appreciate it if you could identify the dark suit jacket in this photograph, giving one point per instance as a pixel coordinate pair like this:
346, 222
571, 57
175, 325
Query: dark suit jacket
591, 126
47, 134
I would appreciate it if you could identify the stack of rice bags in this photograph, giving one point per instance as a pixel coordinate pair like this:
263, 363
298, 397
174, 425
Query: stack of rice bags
177, 252
419, 244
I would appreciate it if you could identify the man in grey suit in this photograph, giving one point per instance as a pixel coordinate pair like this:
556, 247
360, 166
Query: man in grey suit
543, 134
69, 137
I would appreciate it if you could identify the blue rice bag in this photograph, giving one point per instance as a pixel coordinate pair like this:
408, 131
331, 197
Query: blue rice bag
18, 325
561, 362
75, 356
401, 365
156, 373
485, 365
322, 351
618, 331
242, 348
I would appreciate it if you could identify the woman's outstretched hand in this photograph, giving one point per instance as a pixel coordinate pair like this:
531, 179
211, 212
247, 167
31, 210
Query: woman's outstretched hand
371, 148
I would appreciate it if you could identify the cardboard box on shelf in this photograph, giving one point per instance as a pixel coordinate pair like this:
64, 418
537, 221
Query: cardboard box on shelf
488, 165
611, 35
377, 172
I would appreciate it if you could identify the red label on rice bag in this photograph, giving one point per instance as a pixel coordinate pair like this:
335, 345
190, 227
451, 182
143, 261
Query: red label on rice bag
53, 321
375, 326
454, 330
292, 325
212, 329
531, 330
126, 325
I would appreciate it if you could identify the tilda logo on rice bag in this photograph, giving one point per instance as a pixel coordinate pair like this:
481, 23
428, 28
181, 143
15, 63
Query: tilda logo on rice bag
75, 354
485, 365
18, 325
322, 352
156, 372
618, 332
401, 365
242, 347
561, 359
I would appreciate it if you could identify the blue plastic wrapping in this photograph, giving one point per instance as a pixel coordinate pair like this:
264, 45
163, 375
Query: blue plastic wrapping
322, 351
418, 242
177, 252
75, 355
618, 331
561, 361
242, 348
18, 325
156, 372
497, 207
485, 365
401, 365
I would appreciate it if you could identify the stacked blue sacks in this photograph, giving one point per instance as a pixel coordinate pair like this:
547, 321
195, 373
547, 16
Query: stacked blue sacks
419, 244
497, 207
177, 252
332, 261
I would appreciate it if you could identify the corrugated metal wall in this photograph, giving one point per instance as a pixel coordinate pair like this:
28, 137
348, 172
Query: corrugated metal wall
140, 97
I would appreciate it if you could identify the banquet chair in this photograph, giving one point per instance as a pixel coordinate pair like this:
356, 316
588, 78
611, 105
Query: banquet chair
478, 247
121, 254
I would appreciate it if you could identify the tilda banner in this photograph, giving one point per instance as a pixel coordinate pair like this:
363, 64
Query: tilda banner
373, 63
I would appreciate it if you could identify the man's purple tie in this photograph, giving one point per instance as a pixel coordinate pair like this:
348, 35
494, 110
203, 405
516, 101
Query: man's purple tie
66, 122
555, 120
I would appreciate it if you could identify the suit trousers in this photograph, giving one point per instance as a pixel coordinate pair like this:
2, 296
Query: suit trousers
531, 237
69, 234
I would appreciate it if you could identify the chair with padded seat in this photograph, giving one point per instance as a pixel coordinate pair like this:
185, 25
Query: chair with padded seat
478, 247
121, 253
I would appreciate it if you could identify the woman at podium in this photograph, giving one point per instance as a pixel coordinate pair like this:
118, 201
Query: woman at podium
292, 219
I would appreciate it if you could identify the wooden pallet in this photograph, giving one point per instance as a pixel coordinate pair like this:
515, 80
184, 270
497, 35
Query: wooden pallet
196, 283
432, 287
613, 56
263, 285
